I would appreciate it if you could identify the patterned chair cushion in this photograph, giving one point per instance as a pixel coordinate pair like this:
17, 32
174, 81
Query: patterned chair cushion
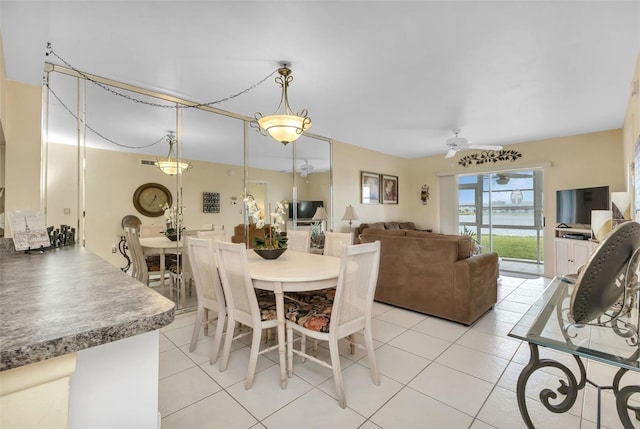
153, 262
311, 296
314, 316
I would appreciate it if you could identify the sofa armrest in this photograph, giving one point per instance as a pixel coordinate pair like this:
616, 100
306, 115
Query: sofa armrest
475, 283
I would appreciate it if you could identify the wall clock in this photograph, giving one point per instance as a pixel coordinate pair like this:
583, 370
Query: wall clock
150, 198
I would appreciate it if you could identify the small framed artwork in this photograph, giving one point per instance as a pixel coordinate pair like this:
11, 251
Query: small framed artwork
211, 202
370, 187
389, 189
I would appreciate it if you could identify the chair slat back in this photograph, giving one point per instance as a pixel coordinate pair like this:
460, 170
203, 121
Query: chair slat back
220, 235
236, 283
353, 302
205, 273
299, 241
140, 271
336, 242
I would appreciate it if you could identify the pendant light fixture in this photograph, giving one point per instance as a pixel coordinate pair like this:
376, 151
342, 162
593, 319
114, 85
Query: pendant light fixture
170, 165
284, 126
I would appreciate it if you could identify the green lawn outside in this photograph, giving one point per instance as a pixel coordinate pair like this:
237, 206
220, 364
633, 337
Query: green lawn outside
509, 246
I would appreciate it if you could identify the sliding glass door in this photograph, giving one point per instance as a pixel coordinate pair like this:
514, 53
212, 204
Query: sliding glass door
503, 211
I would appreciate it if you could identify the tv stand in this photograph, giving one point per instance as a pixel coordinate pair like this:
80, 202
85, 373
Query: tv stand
571, 252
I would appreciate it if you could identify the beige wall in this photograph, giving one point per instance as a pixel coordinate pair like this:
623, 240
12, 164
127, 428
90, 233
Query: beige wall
576, 161
631, 128
113, 177
348, 161
22, 133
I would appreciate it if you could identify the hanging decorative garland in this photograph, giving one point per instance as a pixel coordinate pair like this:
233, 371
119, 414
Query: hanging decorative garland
485, 157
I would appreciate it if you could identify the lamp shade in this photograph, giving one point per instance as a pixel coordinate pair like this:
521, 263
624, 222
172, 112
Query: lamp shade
172, 167
349, 213
320, 214
284, 128
621, 205
601, 224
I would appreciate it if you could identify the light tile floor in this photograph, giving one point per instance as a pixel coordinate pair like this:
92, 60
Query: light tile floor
510, 266
434, 373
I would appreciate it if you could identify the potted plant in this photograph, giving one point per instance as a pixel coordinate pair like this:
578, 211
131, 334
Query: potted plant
273, 244
467, 232
172, 218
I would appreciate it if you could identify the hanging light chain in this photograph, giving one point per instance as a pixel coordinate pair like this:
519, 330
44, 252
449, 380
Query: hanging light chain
107, 88
93, 130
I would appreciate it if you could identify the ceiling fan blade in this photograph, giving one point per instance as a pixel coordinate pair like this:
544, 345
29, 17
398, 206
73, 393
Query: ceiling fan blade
484, 147
451, 153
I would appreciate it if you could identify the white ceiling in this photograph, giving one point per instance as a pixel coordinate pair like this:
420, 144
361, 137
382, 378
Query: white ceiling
391, 76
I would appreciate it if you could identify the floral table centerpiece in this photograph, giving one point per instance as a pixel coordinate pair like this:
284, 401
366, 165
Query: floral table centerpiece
173, 218
273, 244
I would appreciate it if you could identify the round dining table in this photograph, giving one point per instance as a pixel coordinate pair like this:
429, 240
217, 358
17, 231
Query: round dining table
161, 245
291, 272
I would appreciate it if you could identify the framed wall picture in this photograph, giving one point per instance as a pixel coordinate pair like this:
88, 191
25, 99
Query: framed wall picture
389, 189
370, 187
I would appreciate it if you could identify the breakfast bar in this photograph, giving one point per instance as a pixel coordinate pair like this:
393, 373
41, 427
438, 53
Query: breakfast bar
78, 342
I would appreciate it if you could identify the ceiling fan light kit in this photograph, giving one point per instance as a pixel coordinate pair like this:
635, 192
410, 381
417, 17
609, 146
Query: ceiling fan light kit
284, 126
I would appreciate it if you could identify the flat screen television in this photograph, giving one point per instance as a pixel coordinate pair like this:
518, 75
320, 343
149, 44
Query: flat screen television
574, 205
305, 209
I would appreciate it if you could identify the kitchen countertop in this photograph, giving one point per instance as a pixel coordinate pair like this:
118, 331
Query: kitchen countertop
69, 299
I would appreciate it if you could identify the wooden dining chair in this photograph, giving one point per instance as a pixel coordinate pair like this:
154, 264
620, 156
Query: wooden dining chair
335, 242
299, 241
208, 291
142, 266
243, 305
348, 313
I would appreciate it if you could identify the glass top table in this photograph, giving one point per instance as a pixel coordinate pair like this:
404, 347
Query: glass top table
547, 324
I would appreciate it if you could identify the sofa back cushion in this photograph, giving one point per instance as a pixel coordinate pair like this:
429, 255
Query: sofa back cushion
465, 244
385, 232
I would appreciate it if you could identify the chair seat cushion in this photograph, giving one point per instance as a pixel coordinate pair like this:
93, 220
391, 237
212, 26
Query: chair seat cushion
311, 296
267, 304
314, 316
153, 262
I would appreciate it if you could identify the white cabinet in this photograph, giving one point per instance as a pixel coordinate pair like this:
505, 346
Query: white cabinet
571, 254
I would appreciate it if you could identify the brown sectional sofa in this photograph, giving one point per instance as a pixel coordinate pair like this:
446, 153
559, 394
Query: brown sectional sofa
387, 225
434, 274
239, 236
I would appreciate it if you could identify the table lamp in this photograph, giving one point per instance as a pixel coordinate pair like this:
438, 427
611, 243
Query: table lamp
320, 215
350, 215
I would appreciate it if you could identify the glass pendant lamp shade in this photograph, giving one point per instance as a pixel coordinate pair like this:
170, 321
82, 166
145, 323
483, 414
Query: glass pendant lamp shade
170, 165
284, 126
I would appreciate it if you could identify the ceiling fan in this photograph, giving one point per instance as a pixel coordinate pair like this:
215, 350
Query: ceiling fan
503, 178
303, 170
457, 144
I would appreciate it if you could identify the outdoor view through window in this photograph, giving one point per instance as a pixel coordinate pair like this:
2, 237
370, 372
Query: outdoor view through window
503, 212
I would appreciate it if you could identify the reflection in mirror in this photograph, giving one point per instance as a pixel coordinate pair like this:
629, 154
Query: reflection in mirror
125, 138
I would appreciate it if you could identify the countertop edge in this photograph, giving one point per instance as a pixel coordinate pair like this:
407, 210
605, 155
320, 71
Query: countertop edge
10, 359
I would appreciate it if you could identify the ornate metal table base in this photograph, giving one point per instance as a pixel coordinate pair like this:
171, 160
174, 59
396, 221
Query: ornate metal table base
568, 389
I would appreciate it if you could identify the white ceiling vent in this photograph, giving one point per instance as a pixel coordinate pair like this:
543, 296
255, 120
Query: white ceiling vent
148, 162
